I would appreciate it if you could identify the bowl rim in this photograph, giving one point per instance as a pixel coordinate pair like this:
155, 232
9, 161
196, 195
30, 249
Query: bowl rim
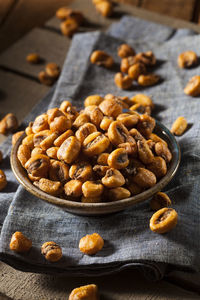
20, 174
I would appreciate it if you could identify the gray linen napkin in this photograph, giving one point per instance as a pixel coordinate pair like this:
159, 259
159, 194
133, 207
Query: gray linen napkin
132, 29
128, 240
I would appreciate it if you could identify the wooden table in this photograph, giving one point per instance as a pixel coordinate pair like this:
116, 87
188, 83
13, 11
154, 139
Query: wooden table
19, 92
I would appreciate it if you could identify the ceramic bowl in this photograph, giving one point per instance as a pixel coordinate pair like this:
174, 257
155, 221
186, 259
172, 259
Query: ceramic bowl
101, 208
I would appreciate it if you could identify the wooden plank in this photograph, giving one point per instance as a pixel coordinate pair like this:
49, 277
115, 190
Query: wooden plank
25, 16
51, 46
129, 284
18, 95
94, 20
130, 2
182, 9
101, 23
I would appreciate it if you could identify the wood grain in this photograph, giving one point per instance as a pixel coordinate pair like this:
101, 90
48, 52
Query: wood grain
25, 16
51, 46
182, 9
18, 95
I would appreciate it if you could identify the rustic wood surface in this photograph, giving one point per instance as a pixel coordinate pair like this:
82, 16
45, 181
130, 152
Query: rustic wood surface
18, 16
182, 9
22, 15
19, 92
129, 285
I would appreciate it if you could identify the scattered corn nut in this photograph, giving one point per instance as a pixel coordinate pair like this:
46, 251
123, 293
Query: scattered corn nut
163, 220
92, 189
85, 292
91, 244
136, 70
95, 143
144, 152
64, 13
143, 100
23, 154
40, 123
69, 27
81, 171
187, 59
50, 187
147, 58
85, 130
148, 80
69, 150
20, 243
48, 141
58, 171
51, 251
60, 124
111, 108
33, 58
155, 138
193, 86
105, 8
37, 150
160, 200
81, 120
45, 79
53, 113
38, 165
118, 133
73, 188
113, 178
128, 120
163, 151
144, 178
28, 129
124, 50
52, 70
95, 114
52, 152
93, 100
123, 82
179, 126
146, 125
65, 104
16, 136
8, 124
118, 159
126, 63
61, 138
34, 140
101, 58
158, 166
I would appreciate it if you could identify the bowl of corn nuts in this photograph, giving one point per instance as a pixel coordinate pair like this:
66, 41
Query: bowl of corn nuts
102, 159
